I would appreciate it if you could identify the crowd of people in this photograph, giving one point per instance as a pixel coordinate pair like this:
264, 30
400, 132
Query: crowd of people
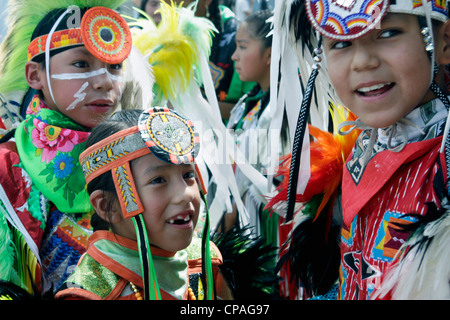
206, 149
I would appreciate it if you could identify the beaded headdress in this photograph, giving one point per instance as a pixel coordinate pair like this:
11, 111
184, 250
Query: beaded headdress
171, 138
345, 20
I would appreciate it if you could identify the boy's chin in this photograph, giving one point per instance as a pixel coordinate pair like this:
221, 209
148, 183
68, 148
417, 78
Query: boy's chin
179, 243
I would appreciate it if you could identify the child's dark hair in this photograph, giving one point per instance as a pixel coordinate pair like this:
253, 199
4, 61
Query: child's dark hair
258, 27
120, 120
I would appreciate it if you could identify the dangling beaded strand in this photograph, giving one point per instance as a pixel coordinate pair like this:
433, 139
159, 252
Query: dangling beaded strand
137, 294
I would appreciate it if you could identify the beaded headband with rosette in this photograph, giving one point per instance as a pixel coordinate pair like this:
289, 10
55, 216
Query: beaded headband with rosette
351, 19
437, 8
345, 19
102, 30
160, 131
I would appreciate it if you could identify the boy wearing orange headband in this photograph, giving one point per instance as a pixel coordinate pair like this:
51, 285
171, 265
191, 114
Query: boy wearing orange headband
146, 191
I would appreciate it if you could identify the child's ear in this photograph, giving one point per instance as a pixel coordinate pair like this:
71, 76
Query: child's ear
33, 74
268, 54
444, 57
106, 206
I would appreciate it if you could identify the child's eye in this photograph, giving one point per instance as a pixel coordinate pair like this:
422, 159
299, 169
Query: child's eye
157, 180
189, 175
81, 64
389, 33
340, 45
116, 66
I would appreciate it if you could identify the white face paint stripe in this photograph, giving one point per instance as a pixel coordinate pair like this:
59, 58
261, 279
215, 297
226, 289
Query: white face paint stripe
47, 51
79, 96
86, 75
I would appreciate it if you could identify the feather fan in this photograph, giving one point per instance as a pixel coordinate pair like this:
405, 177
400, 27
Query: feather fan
248, 265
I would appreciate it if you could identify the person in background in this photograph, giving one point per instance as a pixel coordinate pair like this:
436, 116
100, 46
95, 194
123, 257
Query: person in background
229, 87
250, 119
150, 7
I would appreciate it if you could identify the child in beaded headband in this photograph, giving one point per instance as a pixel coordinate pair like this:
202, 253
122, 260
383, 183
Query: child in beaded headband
394, 187
159, 187
71, 53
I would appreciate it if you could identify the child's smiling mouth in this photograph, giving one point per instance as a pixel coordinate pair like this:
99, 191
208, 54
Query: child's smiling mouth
375, 90
183, 220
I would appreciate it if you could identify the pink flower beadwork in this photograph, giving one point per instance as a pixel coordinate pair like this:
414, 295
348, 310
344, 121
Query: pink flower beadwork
51, 139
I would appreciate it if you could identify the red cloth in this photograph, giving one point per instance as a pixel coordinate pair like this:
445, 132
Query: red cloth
392, 184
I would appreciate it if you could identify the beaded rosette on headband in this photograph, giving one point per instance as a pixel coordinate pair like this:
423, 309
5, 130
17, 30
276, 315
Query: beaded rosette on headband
171, 138
102, 30
346, 20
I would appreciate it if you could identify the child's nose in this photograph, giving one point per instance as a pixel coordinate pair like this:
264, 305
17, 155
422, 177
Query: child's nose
364, 58
103, 81
234, 56
184, 192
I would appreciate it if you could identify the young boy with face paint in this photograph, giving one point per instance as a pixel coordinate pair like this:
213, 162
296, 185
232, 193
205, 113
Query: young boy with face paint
385, 62
75, 60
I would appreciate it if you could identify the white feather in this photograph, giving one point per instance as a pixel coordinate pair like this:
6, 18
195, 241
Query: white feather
138, 82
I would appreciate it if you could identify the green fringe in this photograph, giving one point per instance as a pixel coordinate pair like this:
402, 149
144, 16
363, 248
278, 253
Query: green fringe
7, 249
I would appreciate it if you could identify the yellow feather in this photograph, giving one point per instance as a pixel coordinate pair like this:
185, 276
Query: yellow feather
172, 50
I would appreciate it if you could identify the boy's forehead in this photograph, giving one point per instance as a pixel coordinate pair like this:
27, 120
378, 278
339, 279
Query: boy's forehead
149, 164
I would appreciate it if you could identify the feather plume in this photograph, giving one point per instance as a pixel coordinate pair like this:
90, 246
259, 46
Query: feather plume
328, 153
312, 258
311, 251
248, 265
138, 82
173, 49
